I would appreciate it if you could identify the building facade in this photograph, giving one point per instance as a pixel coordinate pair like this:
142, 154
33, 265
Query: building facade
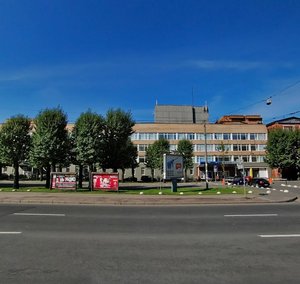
244, 138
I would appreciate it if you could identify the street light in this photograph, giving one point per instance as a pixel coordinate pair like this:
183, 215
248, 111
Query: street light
205, 145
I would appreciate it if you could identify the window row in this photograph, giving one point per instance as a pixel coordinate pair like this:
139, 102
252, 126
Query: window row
229, 159
213, 147
199, 136
220, 159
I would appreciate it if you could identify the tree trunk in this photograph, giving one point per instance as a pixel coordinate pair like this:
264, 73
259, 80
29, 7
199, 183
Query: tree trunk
122, 175
91, 168
16, 176
41, 173
185, 175
152, 175
132, 173
48, 171
80, 176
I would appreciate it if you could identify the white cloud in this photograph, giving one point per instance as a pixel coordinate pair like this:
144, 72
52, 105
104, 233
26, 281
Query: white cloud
231, 64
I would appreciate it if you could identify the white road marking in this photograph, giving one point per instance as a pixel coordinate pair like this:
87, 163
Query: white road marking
252, 215
39, 214
10, 233
280, 236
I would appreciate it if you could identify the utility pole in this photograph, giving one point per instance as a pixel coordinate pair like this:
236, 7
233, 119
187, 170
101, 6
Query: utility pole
205, 145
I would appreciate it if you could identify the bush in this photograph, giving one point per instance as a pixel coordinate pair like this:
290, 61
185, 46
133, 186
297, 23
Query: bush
130, 179
4, 176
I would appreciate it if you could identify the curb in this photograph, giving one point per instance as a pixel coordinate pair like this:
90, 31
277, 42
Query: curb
146, 201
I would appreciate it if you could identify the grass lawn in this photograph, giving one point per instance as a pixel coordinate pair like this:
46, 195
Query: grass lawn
138, 190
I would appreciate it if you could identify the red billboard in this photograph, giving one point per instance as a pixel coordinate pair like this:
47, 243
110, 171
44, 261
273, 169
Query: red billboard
63, 181
105, 181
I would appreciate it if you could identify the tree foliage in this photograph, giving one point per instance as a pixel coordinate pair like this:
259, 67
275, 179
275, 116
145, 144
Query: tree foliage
283, 151
223, 149
50, 141
155, 153
87, 139
128, 157
117, 129
185, 148
15, 143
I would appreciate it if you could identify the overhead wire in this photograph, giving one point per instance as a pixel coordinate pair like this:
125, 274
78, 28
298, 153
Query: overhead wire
269, 99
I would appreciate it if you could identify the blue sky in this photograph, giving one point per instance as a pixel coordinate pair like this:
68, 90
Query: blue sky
95, 54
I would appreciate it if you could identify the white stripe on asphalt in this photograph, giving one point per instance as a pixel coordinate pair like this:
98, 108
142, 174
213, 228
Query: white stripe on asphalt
280, 236
39, 214
252, 215
10, 233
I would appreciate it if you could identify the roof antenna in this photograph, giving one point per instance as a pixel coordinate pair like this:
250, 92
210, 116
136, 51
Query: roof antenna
205, 107
193, 96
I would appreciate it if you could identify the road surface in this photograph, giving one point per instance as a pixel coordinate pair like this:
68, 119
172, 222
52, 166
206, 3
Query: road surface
150, 244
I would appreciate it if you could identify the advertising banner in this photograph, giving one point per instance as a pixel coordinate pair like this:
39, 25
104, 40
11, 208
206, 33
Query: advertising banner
105, 181
173, 166
63, 181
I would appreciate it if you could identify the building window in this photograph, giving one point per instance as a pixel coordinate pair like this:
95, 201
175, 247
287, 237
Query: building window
261, 136
142, 147
190, 136
209, 136
143, 171
168, 136
173, 147
261, 147
218, 136
141, 159
226, 136
144, 136
199, 136
239, 136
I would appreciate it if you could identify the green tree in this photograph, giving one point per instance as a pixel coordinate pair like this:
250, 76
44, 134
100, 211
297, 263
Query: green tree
15, 143
223, 149
117, 129
50, 141
128, 158
185, 148
87, 141
155, 153
283, 151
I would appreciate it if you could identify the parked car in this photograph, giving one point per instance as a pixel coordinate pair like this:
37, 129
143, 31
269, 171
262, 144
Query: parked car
147, 179
239, 181
259, 182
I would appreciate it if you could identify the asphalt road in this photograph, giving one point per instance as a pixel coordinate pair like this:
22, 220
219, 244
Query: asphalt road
150, 244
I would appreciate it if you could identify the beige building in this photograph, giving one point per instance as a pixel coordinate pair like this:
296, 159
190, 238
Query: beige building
243, 137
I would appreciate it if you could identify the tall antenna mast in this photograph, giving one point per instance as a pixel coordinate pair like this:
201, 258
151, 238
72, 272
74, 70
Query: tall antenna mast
192, 96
